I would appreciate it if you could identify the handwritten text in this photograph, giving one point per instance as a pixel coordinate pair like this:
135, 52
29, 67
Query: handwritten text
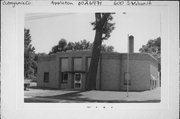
61, 3
16, 3
132, 3
90, 3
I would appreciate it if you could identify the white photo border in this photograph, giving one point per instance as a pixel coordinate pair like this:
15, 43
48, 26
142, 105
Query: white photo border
13, 105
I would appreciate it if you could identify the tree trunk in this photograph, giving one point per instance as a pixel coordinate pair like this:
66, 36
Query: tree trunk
91, 79
102, 27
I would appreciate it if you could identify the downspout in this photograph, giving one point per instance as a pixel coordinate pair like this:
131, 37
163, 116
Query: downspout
121, 78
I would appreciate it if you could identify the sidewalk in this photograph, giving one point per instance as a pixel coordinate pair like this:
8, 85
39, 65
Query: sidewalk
113, 96
66, 96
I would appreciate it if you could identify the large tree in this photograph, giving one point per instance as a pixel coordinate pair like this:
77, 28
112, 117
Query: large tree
29, 55
103, 28
152, 47
70, 46
62, 44
60, 47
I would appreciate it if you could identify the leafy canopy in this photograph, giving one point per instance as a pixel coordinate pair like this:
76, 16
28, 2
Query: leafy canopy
103, 24
152, 47
63, 46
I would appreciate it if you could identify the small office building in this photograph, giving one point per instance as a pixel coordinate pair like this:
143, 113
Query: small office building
116, 71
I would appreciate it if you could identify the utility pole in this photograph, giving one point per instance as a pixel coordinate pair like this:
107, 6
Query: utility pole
127, 74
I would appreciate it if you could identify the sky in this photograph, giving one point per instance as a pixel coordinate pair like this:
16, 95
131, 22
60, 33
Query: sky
47, 29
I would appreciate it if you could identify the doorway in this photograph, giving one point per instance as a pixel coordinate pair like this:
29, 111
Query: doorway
77, 80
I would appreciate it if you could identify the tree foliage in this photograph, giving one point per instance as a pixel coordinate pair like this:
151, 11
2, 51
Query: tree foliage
63, 46
106, 48
103, 24
29, 54
153, 47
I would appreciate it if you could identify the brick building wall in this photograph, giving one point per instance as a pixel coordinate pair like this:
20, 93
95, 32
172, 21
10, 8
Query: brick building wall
47, 64
112, 70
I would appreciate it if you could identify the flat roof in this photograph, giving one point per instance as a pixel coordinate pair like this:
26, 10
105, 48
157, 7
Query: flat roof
105, 55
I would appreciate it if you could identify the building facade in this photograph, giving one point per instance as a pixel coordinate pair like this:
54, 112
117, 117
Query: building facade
116, 71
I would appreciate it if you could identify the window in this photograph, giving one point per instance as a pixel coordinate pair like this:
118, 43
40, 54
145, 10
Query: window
127, 80
77, 85
77, 64
46, 77
64, 77
64, 64
77, 77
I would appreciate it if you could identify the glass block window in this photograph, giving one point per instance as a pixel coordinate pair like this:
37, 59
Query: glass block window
77, 80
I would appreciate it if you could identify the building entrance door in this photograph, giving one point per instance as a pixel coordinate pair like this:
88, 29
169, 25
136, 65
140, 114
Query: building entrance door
77, 80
